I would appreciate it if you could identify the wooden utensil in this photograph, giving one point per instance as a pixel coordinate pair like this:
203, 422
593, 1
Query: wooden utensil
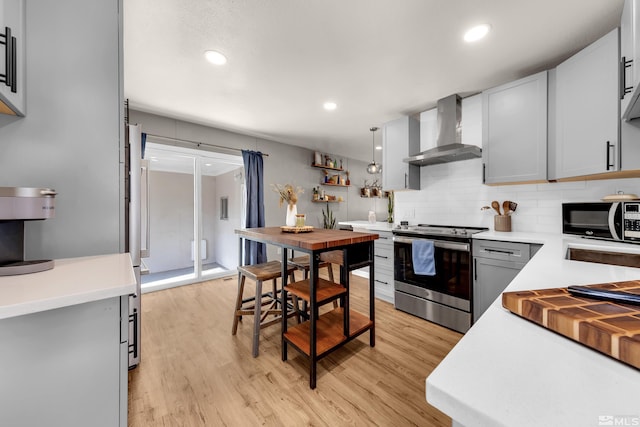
505, 206
496, 206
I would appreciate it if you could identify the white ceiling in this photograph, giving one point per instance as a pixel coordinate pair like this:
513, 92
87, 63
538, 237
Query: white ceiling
377, 59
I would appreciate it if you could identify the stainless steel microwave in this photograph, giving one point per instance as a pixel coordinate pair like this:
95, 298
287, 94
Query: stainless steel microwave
603, 220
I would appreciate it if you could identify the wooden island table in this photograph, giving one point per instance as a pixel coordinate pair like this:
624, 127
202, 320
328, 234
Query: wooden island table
321, 334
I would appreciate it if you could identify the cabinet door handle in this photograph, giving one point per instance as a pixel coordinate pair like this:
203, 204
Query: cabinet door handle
380, 281
484, 173
380, 256
405, 181
10, 63
609, 147
14, 66
499, 251
624, 89
475, 269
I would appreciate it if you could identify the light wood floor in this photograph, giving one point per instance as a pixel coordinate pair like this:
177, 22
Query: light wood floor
195, 373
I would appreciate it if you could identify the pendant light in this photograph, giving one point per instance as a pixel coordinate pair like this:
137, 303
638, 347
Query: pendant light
374, 167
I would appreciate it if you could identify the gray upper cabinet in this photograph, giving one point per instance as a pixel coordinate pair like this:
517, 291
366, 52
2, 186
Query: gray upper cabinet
400, 139
629, 58
514, 131
587, 111
12, 57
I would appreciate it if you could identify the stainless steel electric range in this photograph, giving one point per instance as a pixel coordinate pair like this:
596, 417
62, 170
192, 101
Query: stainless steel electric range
445, 298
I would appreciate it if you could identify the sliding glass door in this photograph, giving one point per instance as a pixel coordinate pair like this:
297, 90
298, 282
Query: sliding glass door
194, 208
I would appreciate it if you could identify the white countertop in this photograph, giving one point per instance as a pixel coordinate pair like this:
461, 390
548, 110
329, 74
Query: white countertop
507, 371
377, 226
71, 281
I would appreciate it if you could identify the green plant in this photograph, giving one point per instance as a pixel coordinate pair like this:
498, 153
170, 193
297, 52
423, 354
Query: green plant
329, 221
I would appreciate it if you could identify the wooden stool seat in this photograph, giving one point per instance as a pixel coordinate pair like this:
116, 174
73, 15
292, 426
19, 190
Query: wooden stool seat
334, 257
302, 263
260, 305
265, 271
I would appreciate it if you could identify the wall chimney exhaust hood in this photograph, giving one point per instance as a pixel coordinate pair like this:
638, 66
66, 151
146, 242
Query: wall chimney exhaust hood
449, 147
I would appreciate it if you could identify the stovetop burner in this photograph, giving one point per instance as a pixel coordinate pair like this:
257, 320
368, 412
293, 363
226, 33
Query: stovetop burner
441, 230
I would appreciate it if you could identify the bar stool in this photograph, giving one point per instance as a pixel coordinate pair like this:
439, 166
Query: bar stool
271, 270
302, 264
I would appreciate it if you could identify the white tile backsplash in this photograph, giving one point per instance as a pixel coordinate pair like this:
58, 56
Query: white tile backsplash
453, 193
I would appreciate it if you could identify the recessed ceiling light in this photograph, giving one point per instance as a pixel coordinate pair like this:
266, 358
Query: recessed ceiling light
378, 147
215, 57
476, 33
330, 106
207, 164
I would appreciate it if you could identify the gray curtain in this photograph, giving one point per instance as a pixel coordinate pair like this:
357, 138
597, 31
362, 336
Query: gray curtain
254, 252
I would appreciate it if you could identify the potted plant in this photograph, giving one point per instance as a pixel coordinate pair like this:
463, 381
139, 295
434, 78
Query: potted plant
329, 221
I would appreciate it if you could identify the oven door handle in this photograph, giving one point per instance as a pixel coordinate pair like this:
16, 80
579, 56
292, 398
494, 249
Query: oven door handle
456, 246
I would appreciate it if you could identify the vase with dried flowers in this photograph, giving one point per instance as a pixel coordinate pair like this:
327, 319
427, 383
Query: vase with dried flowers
289, 194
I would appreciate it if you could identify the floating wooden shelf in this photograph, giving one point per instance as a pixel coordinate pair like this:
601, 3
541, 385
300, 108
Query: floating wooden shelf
327, 201
330, 168
329, 331
325, 290
335, 185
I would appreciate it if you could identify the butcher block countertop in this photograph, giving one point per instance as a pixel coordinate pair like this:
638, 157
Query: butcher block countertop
72, 281
509, 371
317, 239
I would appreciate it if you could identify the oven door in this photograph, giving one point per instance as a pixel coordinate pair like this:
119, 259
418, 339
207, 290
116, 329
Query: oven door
451, 285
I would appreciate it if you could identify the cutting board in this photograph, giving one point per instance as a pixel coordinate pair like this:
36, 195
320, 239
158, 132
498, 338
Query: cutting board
610, 328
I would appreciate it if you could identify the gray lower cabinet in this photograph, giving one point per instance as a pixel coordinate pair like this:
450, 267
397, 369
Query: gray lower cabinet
383, 266
495, 265
66, 367
587, 111
514, 131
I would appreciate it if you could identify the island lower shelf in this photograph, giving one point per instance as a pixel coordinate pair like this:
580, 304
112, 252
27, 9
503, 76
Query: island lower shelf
329, 331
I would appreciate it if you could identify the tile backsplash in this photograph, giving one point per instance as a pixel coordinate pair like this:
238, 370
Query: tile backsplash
453, 193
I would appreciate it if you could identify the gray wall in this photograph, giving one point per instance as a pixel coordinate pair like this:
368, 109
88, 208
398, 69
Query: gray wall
70, 137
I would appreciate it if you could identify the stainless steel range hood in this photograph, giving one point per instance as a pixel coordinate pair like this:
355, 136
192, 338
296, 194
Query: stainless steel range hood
449, 147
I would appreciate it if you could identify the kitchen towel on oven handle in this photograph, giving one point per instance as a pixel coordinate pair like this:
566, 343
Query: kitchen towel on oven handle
422, 254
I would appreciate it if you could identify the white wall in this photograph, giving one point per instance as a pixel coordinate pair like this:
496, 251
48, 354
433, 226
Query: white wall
453, 194
70, 137
170, 221
226, 241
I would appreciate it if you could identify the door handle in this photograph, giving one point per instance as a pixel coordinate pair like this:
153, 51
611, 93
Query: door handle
609, 147
10, 63
624, 89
